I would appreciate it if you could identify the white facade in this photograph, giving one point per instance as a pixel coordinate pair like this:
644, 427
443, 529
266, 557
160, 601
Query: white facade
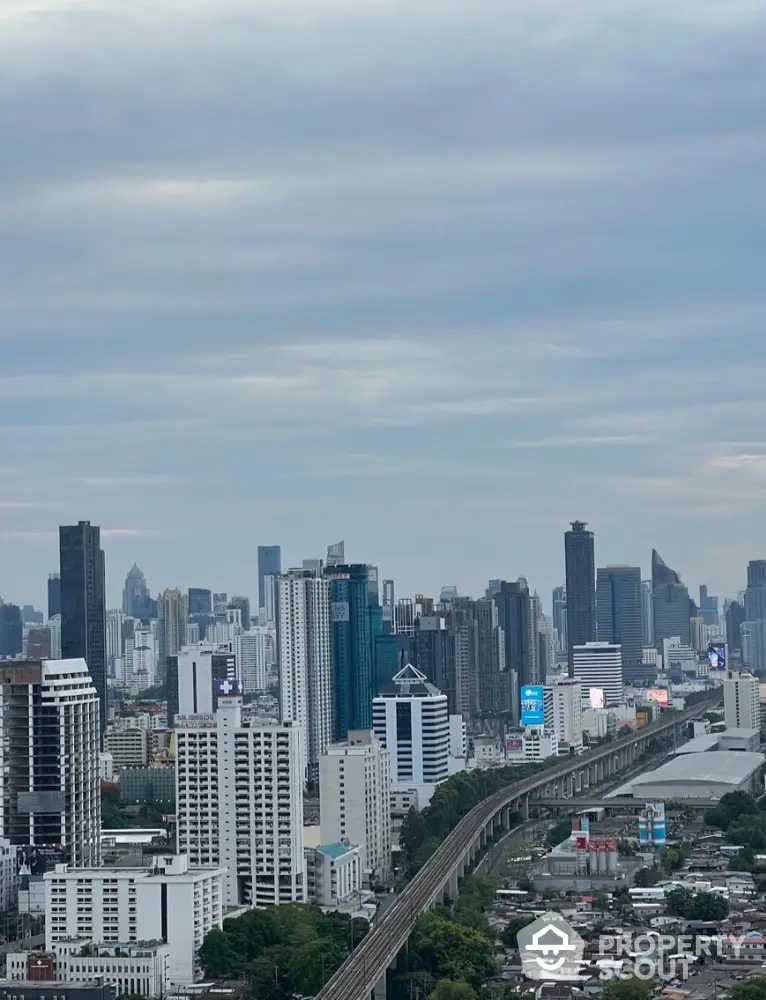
537, 744
8, 880
355, 798
566, 712
599, 665
677, 655
305, 661
54, 624
171, 903
256, 651
458, 741
172, 618
49, 720
128, 746
239, 804
411, 719
197, 666
334, 874
742, 702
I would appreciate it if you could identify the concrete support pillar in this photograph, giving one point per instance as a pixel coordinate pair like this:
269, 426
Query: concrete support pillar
452, 888
379, 989
524, 806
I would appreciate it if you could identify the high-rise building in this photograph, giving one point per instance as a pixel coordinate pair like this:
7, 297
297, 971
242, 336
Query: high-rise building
355, 798
411, 720
708, 607
735, 616
598, 667
304, 659
559, 602
647, 614
336, 554
172, 618
566, 714
51, 788
388, 604
516, 659
753, 645
54, 594
755, 595
256, 652
38, 644
115, 619
269, 564
135, 595
618, 598
243, 604
194, 676
670, 604
239, 804
55, 629
200, 601
580, 561
742, 702
11, 631
83, 603
352, 680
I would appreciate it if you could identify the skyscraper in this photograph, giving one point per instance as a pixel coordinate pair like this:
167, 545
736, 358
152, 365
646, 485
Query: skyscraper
618, 598
135, 593
200, 601
580, 561
647, 614
351, 647
51, 789
172, 617
755, 595
735, 616
516, 656
670, 604
336, 554
708, 607
54, 595
11, 630
269, 564
243, 603
559, 603
83, 602
304, 661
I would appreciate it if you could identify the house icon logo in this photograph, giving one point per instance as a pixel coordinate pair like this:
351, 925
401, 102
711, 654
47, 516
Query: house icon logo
550, 948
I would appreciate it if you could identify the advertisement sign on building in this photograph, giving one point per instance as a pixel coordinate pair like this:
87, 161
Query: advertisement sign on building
596, 697
339, 611
514, 746
532, 711
716, 655
658, 695
204, 720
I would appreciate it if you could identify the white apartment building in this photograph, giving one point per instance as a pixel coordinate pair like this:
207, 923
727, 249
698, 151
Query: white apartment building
50, 788
304, 657
193, 675
411, 719
54, 624
171, 903
598, 665
355, 798
538, 744
566, 714
256, 651
137, 969
742, 702
334, 874
239, 804
128, 746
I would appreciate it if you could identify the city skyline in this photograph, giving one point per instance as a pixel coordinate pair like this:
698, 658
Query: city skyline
391, 285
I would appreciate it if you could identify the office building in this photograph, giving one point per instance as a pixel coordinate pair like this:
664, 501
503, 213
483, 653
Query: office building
559, 603
241, 604
239, 803
410, 718
598, 667
647, 614
11, 631
618, 600
193, 679
54, 625
708, 607
304, 659
256, 652
755, 594
38, 644
579, 556
200, 601
753, 645
698, 634
742, 702
387, 602
269, 564
336, 554
515, 663
172, 902
129, 746
355, 798
671, 609
735, 616
172, 617
54, 594
136, 600
566, 714
51, 791
351, 645
83, 603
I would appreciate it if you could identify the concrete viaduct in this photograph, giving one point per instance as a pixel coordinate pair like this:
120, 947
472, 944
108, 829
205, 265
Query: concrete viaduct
363, 974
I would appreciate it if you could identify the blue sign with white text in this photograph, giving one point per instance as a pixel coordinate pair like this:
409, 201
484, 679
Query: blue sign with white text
532, 712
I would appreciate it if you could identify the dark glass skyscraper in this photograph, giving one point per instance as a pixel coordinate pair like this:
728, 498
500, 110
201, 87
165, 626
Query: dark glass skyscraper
11, 630
579, 556
516, 659
269, 564
352, 653
83, 602
200, 601
670, 603
618, 598
54, 595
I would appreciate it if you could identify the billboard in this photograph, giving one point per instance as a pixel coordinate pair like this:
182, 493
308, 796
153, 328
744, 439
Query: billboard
513, 746
228, 687
31, 860
658, 695
716, 655
596, 698
202, 720
532, 713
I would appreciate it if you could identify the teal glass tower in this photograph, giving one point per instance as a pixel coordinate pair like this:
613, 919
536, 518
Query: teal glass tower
352, 647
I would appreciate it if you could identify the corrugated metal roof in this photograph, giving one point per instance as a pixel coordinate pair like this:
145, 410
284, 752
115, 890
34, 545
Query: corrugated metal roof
724, 766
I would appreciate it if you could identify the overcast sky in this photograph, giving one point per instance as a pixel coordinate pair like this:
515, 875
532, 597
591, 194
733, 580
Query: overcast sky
435, 277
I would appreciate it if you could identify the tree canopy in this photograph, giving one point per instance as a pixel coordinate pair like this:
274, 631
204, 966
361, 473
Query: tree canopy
697, 905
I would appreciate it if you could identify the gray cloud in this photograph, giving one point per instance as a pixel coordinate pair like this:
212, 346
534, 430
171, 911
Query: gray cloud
436, 278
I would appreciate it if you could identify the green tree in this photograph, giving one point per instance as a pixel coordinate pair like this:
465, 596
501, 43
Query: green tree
646, 877
509, 935
691, 905
627, 989
216, 956
447, 989
313, 964
448, 950
753, 989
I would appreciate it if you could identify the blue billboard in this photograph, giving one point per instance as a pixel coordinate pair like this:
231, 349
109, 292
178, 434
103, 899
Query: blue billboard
532, 712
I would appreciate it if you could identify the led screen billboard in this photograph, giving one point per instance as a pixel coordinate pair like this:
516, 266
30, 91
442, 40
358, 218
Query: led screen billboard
716, 655
532, 712
658, 695
596, 698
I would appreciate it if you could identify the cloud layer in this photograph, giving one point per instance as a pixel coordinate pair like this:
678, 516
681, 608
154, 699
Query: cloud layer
436, 278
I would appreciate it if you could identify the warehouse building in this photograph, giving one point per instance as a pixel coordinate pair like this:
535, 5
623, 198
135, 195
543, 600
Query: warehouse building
701, 776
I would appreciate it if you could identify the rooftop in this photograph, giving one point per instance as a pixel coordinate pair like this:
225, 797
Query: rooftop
711, 741
729, 767
336, 850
